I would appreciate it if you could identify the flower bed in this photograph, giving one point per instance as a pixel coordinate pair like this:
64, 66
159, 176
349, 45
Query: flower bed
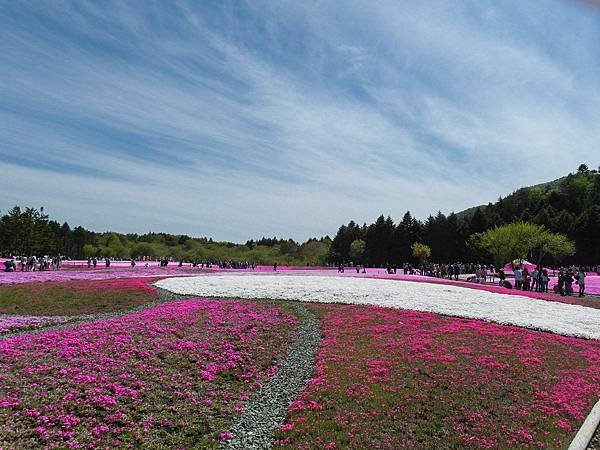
95, 274
389, 378
76, 297
572, 320
593, 288
9, 324
171, 376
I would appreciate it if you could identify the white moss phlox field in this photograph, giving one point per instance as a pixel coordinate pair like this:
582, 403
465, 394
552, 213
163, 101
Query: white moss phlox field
560, 318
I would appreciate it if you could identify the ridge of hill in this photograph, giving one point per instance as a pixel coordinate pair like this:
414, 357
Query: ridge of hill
554, 184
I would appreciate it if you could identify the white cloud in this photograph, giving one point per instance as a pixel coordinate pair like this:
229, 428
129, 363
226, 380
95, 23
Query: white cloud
286, 119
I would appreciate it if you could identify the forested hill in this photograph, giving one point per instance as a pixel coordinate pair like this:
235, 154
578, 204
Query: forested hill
544, 186
569, 205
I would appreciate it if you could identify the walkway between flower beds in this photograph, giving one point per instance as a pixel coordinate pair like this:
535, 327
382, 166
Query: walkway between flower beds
176, 375
263, 415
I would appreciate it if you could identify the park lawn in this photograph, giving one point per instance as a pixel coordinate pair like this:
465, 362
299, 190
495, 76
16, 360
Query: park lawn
67, 298
387, 378
172, 376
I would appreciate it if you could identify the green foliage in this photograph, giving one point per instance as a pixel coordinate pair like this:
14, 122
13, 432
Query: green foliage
31, 232
421, 252
357, 250
569, 206
554, 245
521, 240
90, 250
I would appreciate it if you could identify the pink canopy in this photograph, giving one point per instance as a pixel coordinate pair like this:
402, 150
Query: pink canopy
523, 263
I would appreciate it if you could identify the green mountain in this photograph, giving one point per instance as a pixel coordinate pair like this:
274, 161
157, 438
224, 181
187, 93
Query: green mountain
554, 184
467, 213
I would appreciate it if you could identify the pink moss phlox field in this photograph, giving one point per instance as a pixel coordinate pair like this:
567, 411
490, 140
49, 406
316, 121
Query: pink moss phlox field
171, 376
126, 284
388, 379
95, 274
14, 323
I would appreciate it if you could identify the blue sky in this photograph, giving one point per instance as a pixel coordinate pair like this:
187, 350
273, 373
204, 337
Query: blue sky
237, 120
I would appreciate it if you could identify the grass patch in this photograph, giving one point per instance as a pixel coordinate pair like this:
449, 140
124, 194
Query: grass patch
75, 297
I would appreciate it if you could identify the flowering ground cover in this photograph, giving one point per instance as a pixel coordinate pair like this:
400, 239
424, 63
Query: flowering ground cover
571, 320
388, 378
9, 324
75, 297
95, 274
173, 376
589, 301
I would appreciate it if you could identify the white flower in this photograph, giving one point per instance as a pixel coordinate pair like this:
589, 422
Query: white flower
560, 318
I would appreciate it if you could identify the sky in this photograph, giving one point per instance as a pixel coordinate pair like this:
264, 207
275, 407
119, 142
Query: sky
237, 120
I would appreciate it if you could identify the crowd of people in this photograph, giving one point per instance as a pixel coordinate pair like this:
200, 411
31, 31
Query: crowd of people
452, 271
564, 286
538, 279
32, 263
524, 278
358, 267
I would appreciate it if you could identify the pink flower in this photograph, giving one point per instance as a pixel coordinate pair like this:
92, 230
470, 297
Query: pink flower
43, 433
225, 436
8, 402
99, 430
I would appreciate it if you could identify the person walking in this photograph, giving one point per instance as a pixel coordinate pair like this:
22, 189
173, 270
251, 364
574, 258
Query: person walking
568, 282
518, 278
535, 274
544, 279
525, 276
581, 282
561, 283
501, 276
526, 280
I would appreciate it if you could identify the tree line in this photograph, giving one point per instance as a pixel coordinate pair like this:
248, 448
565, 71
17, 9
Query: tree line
569, 206
30, 231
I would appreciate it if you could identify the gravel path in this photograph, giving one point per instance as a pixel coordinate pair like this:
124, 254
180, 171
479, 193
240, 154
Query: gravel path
268, 409
595, 442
